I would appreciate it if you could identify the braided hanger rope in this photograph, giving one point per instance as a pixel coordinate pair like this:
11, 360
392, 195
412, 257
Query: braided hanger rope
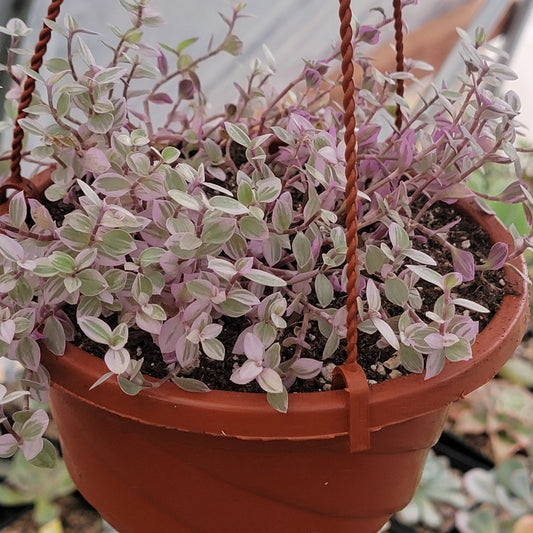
16, 181
400, 63
350, 139
350, 376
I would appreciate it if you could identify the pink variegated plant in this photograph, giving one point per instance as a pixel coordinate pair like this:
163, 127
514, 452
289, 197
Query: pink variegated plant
183, 226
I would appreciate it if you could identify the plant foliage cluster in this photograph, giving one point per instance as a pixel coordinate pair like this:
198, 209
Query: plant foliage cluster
183, 223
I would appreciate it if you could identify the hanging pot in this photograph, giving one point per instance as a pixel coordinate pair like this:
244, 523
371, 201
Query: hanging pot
227, 462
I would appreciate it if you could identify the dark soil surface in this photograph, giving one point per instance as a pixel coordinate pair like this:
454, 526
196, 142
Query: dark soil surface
488, 289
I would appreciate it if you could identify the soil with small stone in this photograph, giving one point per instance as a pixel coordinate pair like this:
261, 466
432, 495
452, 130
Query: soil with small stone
378, 362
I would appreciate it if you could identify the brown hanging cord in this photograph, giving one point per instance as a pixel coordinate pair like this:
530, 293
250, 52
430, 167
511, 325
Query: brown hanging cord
350, 375
350, 139
16, 181
398, 38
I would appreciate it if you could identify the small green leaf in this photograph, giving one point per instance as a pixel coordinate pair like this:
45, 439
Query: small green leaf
100, 123
268, 190
427, 274
282, 216
34, 426
57, 64
190, 385
113, 185
131, 389
238, 134
264, 278
96, 329
396, 291
92, 282
170, 154
331, 345
398, 236
18, 209
150, 256
94, 198
228, 205
214, 349
233, 45
236, 247
452, 280
313, 205
386, 331
218, 231
245, 193
22, 292
412, 361
117, 243
117, 360
12, 396
47, 457
54, 335
185, 44
185, 200
374, 259
279, 400
223, 268
28, 353
213, 151
62, 262
301, 247
233, 308
323, 290
63, 105
266, 332
72, 284
139, 163
468, 304
109, 75
252, 228
460, 351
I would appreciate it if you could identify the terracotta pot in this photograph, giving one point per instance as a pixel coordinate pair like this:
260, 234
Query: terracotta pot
224, 462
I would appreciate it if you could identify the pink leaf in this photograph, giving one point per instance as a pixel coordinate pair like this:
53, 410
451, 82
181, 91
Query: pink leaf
434, 363
253, 347
160, 98
463, 262
435, 340
270, 381
94, 160
8, 445
306, 368
162, 63
246, 373
497, 256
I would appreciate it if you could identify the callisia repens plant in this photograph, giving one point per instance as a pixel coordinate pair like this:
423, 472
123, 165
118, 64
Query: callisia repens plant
183, 225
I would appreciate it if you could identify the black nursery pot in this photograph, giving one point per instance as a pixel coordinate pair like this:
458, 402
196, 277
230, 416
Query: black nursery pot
9, 514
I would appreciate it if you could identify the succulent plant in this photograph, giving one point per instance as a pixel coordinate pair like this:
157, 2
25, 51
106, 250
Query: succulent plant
182, 226
440, 487
506, 498
501, 411
519, 369
24, 483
